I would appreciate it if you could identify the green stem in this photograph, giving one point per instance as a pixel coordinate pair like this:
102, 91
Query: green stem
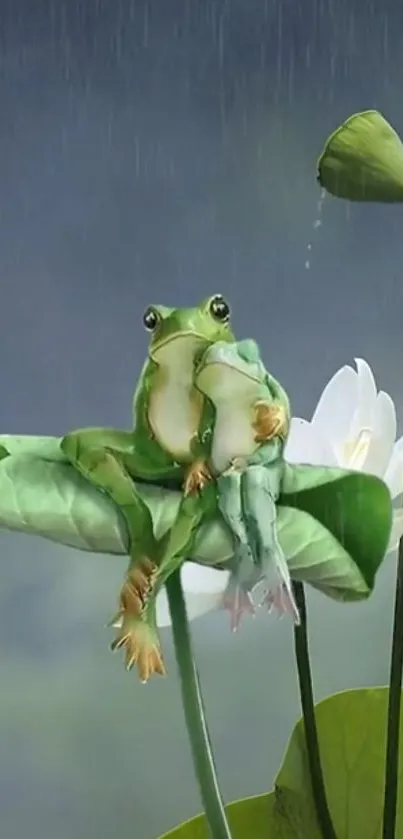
395, 692
194, 712
308, 713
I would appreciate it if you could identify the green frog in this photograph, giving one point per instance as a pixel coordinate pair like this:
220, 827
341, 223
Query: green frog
167, 441
251, 423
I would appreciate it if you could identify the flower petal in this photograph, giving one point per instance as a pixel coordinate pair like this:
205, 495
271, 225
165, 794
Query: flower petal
307, 444
203, 588
383, 436
365, 410
394, 473
336, 406
397, 531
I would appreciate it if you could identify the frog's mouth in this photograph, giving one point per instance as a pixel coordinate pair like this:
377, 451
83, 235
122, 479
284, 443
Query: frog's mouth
184, 347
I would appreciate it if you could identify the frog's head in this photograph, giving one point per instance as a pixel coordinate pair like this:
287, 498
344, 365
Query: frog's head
227, 370
185, 333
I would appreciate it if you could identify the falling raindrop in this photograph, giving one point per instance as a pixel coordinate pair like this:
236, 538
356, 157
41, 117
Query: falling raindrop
317, 223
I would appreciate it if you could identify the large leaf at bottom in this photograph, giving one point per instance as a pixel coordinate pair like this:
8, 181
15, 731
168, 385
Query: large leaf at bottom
354, 507
249, 818
351, 729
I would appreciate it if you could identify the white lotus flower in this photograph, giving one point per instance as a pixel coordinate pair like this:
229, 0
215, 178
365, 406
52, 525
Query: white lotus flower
353, 426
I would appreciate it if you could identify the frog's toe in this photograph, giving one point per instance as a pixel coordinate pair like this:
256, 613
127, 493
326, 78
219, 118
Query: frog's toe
281, 599
197, 477
141, 647
237, 602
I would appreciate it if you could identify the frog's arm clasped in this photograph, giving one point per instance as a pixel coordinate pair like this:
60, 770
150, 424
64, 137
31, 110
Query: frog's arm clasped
272, 416
278, 393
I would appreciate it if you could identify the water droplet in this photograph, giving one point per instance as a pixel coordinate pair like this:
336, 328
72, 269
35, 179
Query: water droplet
316, 225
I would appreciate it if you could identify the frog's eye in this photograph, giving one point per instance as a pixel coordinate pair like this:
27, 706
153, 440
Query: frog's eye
151, 319
220, 309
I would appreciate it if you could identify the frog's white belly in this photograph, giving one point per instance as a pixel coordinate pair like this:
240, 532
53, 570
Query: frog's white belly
233, 436
175, 410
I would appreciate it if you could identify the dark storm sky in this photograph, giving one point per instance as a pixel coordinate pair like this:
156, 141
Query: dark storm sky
159, 152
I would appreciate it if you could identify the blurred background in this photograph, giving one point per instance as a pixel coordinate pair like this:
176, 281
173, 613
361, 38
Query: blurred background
160, 152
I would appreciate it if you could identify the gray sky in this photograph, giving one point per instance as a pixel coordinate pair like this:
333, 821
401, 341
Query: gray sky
159, 152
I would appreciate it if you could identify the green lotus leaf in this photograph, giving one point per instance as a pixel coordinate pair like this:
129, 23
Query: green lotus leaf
3, 452
352, 739
355, 513
363, 160
333, 525
249, 818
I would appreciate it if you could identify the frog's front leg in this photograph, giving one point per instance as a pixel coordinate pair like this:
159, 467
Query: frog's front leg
199, 474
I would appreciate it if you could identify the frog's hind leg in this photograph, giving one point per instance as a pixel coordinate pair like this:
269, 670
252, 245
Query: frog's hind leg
237, 599
105, 458
229, 499
260, 489
138, 632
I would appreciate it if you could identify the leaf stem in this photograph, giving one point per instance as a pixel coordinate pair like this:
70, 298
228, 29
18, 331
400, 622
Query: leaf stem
194, 712
395, 692
308, 713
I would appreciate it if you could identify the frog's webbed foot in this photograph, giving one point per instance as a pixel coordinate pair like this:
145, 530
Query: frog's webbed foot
198, 475
276, 581
141, 645
237, 602
270, 421
137, 634
281, 599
